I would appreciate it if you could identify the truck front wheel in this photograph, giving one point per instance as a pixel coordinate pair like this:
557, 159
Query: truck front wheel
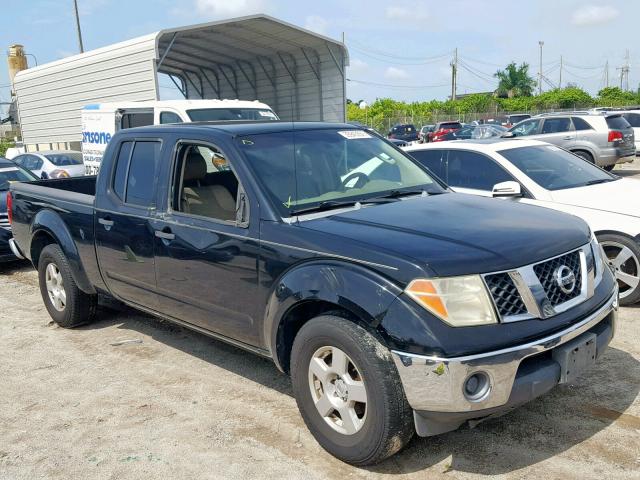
349, 392
67, 305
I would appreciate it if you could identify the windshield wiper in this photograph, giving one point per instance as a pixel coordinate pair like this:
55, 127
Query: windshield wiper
333, 204
401, 193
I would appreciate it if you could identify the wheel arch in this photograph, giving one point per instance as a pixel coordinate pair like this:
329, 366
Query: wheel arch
48, 228
324, 287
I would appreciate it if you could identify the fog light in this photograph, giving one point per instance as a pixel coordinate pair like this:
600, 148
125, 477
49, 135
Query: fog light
477, 386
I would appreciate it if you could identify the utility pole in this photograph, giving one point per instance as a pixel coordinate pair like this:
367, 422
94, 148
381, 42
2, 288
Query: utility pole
606, 74
75, 7
624, 72
541, 43
560, 81
454, 74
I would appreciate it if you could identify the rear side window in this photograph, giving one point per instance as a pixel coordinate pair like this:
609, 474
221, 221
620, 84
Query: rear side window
617, 122
169, 117
142, 173
132, 120
434, 160
122, 166
556, 125
450, 126
581, 124
633, 119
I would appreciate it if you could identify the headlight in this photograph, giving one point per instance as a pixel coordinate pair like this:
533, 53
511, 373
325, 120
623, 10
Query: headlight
599, 258
459, 301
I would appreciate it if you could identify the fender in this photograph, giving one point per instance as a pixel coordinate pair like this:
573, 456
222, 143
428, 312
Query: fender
50, 222
357, 289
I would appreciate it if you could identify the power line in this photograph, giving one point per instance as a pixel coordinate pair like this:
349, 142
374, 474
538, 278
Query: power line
365, 82
381, 53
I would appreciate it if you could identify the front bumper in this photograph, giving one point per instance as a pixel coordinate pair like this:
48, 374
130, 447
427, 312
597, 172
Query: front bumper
434, 386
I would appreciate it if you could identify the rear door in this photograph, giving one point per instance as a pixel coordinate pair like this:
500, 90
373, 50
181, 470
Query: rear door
124, 234
558, 131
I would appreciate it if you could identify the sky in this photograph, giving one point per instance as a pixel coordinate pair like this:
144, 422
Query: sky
399, 49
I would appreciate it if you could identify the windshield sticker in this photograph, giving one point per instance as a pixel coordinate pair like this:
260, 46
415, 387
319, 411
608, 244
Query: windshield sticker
267, 114
354, 134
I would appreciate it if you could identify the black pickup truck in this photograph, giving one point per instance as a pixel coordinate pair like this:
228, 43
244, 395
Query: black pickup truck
395, 305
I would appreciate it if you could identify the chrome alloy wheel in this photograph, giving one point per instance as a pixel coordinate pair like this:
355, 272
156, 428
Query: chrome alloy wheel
625, 266
55, 287
338, 390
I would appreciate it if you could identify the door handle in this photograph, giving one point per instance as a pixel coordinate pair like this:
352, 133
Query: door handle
165, 234
106, 222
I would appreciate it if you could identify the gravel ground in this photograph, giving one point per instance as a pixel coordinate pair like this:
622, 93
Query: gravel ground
170, 403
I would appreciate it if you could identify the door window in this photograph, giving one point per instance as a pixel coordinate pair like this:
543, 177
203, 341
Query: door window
529, 127
473, 170
557, 125
122, 166
205, 185
169, 117
434, 160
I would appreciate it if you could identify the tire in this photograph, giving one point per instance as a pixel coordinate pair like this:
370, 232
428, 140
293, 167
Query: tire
383, 424
608, 168
67, 305
584, 155
623, 254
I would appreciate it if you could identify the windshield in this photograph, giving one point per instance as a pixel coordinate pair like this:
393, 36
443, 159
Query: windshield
65, 159
304, 169
554, 168
450, 126
13, 174
221, 114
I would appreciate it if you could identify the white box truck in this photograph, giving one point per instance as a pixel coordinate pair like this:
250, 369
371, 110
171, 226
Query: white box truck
100, 121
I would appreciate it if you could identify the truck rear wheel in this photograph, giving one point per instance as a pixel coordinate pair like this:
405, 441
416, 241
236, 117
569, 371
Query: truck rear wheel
349, 392
67, 305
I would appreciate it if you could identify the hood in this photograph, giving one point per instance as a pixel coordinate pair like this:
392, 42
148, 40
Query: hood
621, 196
457, 234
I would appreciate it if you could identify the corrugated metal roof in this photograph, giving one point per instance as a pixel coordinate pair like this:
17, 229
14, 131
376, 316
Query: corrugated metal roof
300, 74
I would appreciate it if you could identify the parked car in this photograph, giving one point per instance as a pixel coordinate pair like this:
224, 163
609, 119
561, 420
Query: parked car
537, 173
405, 132
9, 172
633, 117
473, 132
52, 164
389, 300
423, 134
442, 128
398, 143
515, 118
605, 140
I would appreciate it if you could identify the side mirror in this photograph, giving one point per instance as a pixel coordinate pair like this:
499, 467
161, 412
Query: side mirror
508, 135
507, 190
44, 176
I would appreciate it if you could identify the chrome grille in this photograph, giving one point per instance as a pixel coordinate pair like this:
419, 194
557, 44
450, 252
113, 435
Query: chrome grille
505, 294
4, 221
533, 291
545, 272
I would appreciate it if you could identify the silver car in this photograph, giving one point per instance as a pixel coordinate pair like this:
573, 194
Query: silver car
603, 139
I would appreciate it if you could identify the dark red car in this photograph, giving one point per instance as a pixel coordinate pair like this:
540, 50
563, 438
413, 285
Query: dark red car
441, 129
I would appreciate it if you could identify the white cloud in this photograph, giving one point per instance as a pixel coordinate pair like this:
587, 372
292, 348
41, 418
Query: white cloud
594, 15
230, 8
413, 14
317, 24
393, 73
357, 66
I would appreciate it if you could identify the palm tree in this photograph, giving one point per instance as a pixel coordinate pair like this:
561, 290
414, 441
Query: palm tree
515, 81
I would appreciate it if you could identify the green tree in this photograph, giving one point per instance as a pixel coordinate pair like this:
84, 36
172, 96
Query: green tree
515, 81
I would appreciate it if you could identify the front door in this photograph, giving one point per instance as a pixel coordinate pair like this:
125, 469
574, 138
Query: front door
206, 249
124, 236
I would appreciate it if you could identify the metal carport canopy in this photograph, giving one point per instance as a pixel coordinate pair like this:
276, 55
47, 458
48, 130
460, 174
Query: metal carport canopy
300, 74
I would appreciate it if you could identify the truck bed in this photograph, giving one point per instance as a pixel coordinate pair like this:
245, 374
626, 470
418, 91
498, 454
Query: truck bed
84, 186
